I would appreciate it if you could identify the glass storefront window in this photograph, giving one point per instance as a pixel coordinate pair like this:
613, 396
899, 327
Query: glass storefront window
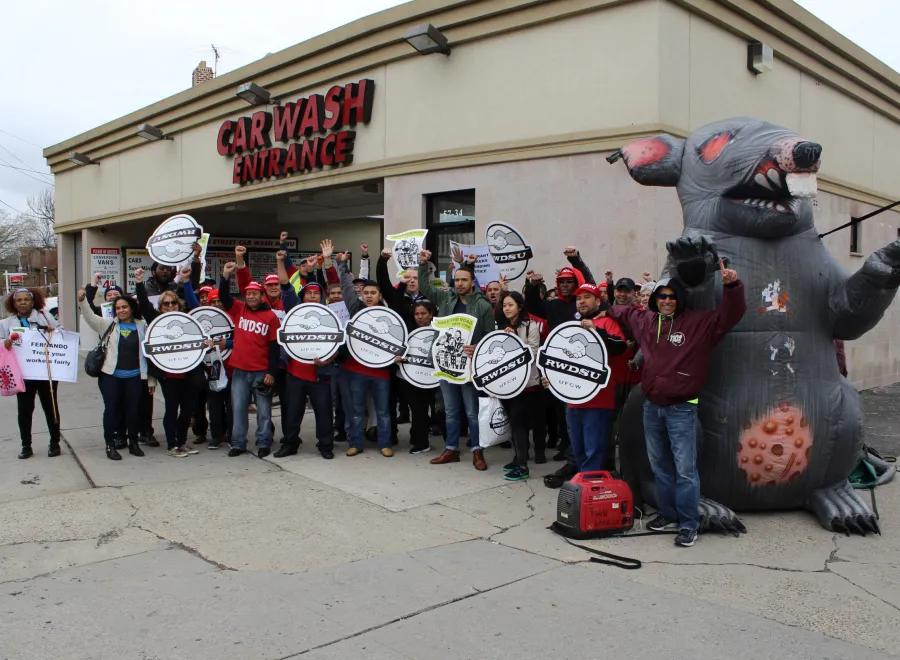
450, 217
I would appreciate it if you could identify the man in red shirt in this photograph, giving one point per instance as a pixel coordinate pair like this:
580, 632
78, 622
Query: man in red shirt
590, 422
254, 361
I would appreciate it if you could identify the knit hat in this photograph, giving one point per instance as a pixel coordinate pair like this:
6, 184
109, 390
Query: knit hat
114, 288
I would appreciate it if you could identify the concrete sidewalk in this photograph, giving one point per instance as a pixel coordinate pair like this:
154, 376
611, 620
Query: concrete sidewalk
211, 557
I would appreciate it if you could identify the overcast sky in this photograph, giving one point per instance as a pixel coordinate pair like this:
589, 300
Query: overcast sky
71, 66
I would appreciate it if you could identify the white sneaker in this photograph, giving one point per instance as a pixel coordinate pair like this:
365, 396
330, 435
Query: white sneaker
188, 450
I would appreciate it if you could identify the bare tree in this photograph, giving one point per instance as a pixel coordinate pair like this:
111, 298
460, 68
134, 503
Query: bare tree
42, 220
13, 234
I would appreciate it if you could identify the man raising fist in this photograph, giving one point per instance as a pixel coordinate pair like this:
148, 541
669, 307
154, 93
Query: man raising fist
677, 344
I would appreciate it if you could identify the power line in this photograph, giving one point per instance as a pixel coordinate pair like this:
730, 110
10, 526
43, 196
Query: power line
23, 173
23, 169
22, 139
12, 207
20, 160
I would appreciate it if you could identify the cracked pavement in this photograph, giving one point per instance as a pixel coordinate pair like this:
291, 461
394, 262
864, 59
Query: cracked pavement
210, 557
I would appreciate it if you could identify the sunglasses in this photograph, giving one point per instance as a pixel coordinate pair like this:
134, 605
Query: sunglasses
169, 303
667, 296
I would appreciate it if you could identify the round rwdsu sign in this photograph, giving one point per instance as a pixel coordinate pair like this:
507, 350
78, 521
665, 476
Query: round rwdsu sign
502, 364
508, 249
418, 366
216, 324
309, 332
574, 360
175, 343
171, 243
375, 336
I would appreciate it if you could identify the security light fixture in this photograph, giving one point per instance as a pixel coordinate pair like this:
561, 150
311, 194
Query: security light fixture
255, 95
81, 159
151, 133
760, 57
427, 39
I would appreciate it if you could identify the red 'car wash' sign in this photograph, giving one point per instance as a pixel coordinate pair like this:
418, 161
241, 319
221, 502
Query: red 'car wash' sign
314, 130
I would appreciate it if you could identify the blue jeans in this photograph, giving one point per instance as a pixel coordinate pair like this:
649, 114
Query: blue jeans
242, 391
588, 433
358, 385
671, 433
455, 398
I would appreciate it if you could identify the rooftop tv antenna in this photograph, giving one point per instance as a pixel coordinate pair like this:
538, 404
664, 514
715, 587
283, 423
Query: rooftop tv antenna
216, 64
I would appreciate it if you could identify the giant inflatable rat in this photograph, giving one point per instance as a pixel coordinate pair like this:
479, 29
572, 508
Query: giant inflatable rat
781, 428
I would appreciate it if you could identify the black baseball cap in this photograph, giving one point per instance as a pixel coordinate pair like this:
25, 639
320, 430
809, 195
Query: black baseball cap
625, 283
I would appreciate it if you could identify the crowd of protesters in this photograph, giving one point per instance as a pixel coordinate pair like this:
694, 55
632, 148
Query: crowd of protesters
356, 404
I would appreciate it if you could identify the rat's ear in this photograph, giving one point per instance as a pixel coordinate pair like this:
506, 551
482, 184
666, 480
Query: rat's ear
654, 161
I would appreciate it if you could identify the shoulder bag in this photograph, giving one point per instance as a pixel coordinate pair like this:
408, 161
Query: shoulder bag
93, 361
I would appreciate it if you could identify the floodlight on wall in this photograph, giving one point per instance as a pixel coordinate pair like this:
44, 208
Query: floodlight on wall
151, 133
427, 39
760, 57
255, 95
81, 159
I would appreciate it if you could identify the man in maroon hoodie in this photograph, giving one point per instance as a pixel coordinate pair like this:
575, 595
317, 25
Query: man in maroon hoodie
677, 344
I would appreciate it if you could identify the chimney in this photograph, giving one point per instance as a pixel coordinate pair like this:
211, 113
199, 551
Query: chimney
201, 74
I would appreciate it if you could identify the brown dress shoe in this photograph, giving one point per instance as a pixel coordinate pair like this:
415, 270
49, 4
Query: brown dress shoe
478, 460
449, 456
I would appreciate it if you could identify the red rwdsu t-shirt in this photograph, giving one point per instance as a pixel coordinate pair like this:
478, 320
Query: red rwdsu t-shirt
606, 398
302, 370
253, 332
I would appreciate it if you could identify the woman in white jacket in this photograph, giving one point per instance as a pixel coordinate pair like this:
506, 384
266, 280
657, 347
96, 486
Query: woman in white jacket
26, 310
123, 370
512, 317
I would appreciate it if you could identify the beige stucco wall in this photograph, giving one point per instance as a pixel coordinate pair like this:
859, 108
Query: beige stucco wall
620, 225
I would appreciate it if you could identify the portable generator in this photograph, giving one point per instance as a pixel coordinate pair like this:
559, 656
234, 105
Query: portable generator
594, 504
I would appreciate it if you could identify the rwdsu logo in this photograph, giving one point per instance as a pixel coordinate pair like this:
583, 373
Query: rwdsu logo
677, 339
257, 327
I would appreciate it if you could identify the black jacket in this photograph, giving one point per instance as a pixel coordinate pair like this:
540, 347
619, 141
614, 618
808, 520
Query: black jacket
557, 311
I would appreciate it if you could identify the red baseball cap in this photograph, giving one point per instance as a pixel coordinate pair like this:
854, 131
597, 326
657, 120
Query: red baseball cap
592, 289
272, 279
603, 285
204, 289
254, 286
213, 295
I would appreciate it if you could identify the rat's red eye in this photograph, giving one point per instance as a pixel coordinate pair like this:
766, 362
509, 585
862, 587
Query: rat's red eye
714, 146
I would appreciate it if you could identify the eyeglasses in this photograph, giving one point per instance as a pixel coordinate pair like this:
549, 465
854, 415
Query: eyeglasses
666, 296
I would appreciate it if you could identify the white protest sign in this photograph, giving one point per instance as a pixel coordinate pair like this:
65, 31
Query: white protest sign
175, 342
107, 262
135, 258
340, 310
34, 348
574, 360
509, 249
407, 246
485, 267
311, 331
216, 324
204, 242
418, 365
375, 336
447, 350
502, 364
172, 242
108, 309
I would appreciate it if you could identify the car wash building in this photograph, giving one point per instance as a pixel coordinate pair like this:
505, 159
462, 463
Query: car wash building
452, 114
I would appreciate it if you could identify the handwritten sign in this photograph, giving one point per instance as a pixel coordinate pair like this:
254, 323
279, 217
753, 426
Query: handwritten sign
34, 349
486, 269
340, 310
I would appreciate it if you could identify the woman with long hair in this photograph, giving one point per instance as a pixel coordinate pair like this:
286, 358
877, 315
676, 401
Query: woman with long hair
124, 370
26, 310
179, 390
512, 316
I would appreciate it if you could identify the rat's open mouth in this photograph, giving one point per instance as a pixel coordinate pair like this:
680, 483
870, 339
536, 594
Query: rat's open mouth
772, 189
